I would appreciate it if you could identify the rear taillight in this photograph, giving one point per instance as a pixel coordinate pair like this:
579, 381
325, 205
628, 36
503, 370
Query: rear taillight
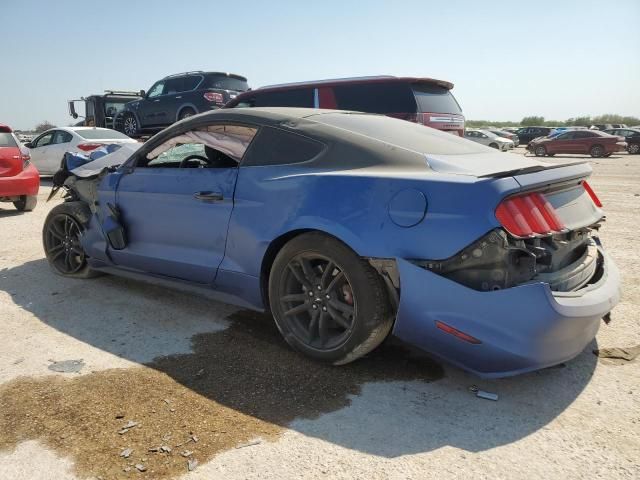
88, 147
528, 215
214, 97
592, 194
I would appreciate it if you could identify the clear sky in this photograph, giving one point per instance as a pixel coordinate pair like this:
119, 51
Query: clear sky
557, 59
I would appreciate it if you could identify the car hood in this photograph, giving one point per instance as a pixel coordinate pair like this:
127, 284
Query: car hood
490, 164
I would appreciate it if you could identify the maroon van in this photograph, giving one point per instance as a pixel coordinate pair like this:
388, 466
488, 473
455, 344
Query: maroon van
421, 100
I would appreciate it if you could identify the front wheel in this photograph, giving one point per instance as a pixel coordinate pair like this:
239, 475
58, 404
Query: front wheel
186, 113
61, 239
26, 203
328, 302
493, 145
633, 148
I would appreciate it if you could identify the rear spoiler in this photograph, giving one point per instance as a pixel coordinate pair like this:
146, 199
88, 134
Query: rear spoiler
536, 169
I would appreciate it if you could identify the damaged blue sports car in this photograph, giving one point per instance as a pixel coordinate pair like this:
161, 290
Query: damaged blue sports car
349, 227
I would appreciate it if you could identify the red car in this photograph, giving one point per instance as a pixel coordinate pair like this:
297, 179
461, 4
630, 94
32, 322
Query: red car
421, 100
19, 179
593, 142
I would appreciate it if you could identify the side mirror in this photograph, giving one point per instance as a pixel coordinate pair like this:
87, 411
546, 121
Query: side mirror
72, 110
28, 145
142, 93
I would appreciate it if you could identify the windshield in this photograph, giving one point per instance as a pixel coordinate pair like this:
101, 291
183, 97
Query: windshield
226, 83
101, 134
7, 140
435, 99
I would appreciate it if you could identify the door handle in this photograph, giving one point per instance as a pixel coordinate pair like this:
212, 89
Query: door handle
208, 196
156, 101
179, 96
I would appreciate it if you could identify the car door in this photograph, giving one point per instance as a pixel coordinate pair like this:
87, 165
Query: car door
176, 216
150, 106
60, 144
39, 151
560, 143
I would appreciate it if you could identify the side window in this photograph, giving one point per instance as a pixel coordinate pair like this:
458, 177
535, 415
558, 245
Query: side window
173, 157
156, 90
214, 146
61, 137
278, 147
299, 97
191, 82
44, 140
174, 85
583, 135
482, 135
376, 97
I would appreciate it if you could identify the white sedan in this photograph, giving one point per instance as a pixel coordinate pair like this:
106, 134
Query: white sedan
48, 148
488, 138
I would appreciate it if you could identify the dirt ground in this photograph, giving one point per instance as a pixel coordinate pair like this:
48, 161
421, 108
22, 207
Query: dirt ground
168, 382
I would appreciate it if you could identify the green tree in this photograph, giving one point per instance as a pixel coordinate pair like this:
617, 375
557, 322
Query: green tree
43, 126
532, 120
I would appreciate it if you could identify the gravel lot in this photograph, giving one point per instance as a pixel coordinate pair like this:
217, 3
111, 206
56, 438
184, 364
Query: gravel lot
188, 369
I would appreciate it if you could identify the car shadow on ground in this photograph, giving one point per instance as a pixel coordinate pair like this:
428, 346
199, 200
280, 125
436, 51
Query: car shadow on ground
398, 402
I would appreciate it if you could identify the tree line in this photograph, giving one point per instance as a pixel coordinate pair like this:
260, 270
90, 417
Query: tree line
533, 120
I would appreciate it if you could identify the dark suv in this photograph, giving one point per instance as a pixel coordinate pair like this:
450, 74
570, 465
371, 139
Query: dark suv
176, 97
420, 100
526, 134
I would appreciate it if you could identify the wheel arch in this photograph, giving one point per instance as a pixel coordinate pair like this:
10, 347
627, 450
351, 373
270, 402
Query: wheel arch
272, 252
183, 106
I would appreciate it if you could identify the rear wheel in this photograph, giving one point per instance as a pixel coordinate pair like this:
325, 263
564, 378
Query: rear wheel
596, 151
633, 148
493, 145
327, 302
61, 239
26, 203
186, 113
540, 151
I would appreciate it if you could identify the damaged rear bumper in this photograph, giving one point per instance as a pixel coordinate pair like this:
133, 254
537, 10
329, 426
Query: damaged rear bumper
520, 329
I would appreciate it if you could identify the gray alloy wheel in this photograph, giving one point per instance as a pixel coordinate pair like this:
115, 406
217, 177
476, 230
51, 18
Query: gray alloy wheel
129, 125
26, 203
493, 145
328, 302
540, 151
596, 151
633, 148
61, 240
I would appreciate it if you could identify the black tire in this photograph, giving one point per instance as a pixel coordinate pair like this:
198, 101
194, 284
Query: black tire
328, 303
493, 145
130, 125
540, 151
633, 148
60, 238
596, 151
186, 113
26, 203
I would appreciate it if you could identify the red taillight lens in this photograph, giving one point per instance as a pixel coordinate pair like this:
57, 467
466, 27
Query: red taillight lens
528, 215
214, 97
88, 147
592, 194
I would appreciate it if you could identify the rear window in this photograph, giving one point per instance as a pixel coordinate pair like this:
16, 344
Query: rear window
273, 146
392, 97
435, 99
224, 82
7, 140
101, 134
401, 133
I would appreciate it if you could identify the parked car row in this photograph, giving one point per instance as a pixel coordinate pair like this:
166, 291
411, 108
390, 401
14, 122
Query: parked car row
488, 138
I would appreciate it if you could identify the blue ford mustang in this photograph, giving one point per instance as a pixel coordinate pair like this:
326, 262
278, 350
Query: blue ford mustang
349, 227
